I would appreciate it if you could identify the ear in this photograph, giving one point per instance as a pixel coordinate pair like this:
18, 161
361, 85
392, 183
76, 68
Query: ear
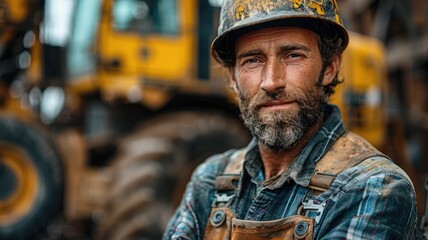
232, 80
332, 69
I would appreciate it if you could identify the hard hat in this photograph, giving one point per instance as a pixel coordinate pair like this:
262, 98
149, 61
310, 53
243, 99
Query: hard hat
240, 16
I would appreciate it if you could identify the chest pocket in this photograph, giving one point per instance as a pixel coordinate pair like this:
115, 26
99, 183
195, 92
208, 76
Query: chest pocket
295, 227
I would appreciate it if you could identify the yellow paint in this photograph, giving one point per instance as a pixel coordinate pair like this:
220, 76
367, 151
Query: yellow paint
240, 12
297, 4
246, 8
318, 6
16, 11
34, 72
170, 59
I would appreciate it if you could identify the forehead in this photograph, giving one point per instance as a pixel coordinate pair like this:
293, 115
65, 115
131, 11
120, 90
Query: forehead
277, 35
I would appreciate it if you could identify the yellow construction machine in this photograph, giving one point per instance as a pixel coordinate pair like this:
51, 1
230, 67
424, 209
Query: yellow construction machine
116, 103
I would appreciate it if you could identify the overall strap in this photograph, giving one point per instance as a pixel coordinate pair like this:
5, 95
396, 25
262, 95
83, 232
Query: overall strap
348, 151
227, 182
235, 162
219, 225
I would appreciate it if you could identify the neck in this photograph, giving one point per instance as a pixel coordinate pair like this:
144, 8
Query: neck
275, 163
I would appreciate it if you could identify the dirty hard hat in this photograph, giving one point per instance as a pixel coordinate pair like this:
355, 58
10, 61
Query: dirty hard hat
241, 16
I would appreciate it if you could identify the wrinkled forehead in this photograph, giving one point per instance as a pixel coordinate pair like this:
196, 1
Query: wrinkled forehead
278, 36
279, 32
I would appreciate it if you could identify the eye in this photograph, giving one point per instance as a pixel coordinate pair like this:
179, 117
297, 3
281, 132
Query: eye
250, 61
294, 55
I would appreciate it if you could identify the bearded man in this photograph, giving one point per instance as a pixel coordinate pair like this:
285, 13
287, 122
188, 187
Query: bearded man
303, 176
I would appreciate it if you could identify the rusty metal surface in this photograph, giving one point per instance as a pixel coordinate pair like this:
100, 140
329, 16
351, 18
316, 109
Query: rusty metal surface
242, 9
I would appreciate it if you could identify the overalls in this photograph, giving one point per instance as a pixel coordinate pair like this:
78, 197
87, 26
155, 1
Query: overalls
348, 151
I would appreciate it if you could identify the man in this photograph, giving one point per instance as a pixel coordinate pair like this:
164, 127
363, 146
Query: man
304, 176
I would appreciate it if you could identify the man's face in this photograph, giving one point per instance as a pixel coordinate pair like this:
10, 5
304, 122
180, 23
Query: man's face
279, 77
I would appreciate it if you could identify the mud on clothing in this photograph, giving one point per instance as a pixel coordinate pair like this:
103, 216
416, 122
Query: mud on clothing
373, 200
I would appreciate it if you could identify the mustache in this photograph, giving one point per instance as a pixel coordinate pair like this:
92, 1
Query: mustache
291, 95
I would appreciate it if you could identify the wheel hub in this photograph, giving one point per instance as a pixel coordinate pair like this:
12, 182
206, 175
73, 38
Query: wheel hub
19, 183
8, 181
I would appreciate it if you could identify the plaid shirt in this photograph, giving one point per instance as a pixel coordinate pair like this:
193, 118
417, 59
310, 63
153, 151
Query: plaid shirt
373, 200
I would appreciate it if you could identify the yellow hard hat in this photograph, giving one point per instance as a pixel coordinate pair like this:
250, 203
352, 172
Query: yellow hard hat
240, 16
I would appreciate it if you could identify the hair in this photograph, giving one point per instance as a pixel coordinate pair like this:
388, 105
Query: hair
330, 47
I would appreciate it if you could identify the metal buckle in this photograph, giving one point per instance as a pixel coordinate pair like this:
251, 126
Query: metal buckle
311, 206
223, 198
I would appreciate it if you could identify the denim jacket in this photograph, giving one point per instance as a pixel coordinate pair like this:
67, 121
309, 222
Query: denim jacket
373, 200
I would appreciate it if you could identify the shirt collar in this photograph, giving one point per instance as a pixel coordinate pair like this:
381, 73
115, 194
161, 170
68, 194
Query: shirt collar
303, 166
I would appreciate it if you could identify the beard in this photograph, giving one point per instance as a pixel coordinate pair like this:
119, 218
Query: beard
281, 130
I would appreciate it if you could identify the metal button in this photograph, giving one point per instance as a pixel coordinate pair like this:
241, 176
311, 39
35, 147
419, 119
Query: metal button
301, 229
218, 218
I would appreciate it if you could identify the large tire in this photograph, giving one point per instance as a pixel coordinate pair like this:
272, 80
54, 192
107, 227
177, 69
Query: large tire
154, 165
30, 180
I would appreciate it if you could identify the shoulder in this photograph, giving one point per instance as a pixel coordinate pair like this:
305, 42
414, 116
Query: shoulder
373, 173
215, 164
190, 217
373, 200
206, 173
376, 169
360, 160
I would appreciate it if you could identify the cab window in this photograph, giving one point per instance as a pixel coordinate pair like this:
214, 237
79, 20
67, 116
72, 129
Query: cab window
146, 16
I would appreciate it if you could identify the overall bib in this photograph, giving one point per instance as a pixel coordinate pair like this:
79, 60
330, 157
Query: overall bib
348, 151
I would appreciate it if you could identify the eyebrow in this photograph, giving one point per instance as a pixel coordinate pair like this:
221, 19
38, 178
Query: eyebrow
282, 50
249, 53
293, 47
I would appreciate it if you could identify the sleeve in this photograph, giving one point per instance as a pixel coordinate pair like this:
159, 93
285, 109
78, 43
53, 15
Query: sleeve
189, 219
382, 206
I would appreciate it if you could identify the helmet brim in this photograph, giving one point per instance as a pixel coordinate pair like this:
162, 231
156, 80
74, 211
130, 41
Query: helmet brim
223, 45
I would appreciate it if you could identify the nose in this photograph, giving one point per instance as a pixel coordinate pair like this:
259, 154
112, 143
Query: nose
273, 76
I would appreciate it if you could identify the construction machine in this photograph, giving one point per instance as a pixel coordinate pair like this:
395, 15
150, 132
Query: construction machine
118, 102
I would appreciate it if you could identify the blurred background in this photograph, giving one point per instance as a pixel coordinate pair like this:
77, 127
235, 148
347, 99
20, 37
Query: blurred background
107, 106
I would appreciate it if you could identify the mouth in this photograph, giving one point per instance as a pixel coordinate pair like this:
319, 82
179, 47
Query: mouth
277, 105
